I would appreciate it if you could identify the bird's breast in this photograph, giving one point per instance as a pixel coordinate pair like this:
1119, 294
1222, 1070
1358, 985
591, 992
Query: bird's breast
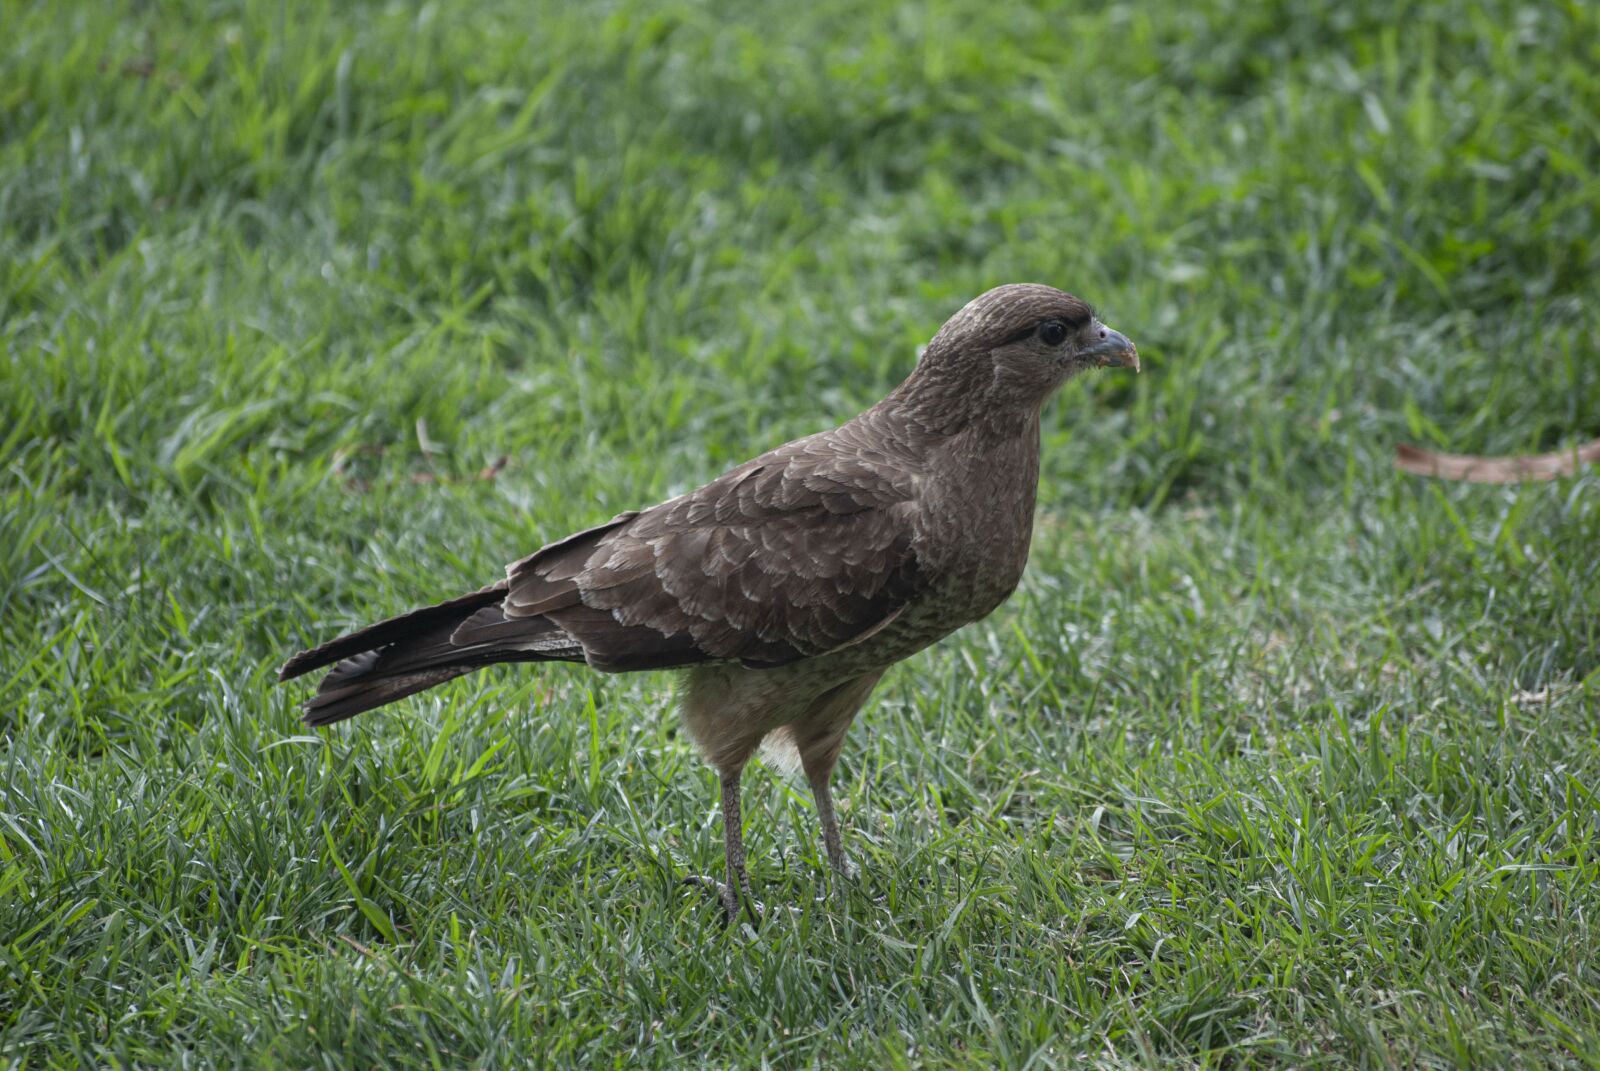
978, 524
983, 504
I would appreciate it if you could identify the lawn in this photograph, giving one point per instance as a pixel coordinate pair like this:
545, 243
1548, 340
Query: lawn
1278, 758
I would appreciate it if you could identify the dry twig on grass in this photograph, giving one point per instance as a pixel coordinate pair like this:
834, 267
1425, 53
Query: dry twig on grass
1476, 469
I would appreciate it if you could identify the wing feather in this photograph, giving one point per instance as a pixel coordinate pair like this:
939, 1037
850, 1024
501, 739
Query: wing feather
806, 549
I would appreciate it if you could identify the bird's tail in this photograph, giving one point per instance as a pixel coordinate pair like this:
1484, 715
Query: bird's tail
418, 650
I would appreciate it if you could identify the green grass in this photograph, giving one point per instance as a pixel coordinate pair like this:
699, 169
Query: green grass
1279, 758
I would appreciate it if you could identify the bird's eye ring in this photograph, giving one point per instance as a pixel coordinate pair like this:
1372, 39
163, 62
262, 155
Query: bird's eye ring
1052, 333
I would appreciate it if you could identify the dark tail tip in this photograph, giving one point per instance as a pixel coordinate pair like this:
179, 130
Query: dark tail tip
339, 699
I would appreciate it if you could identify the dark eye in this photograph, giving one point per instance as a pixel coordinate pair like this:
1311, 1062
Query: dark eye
1052, 332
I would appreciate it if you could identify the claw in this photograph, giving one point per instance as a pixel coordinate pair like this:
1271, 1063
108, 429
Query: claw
723, 893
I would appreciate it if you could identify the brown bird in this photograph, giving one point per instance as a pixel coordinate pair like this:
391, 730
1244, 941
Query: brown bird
786, 586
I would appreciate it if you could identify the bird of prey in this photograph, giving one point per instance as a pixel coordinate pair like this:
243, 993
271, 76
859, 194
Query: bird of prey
786, 586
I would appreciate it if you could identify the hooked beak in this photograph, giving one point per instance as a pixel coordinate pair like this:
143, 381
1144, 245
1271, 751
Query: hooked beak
1112, 349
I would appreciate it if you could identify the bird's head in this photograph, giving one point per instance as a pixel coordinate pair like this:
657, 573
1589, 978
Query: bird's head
1030, 334
998, 359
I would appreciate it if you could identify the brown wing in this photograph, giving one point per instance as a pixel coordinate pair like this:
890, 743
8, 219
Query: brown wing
801, 551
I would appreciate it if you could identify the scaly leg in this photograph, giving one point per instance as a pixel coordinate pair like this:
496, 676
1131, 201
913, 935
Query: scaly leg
737, 885
733, 850
822, 789
818, 739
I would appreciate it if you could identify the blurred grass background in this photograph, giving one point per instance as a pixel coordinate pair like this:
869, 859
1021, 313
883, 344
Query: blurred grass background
1279, 758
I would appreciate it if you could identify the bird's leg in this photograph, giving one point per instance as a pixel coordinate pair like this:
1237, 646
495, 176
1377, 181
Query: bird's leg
818, 738
733, 850
831, 841
736, 887
822, 789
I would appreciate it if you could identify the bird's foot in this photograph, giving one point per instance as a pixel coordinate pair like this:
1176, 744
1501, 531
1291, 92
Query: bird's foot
846, 879
725, 894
